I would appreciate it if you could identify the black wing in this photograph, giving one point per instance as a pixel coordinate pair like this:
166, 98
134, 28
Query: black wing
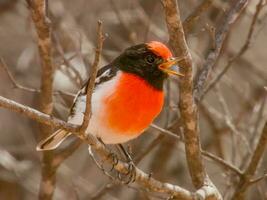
104, 74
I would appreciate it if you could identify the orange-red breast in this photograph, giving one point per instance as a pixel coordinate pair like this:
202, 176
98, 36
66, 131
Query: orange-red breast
128, 95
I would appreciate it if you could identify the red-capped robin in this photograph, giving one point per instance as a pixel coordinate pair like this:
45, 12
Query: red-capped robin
128, 95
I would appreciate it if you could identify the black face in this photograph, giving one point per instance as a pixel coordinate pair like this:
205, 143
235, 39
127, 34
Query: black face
144, 63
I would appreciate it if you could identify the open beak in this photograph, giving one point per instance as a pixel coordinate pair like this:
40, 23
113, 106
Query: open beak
165, 66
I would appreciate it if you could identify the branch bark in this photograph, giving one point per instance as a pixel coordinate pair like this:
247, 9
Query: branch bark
187, 105
39, 11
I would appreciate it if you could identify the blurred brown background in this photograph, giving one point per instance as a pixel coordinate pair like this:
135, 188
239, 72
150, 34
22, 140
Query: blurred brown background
238, 97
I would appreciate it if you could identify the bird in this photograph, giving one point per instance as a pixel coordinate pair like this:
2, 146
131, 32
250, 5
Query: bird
127, 97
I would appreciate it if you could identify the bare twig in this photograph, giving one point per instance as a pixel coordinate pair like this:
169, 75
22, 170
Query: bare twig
243, 49
28, 89
149, 148
125, 25
69, 149
222, 162
221, 33
162, 130
78, 79
256, 180
252, 166
229, 121
12, 79
90, 86
10, 163
195, 15
205, 154
36, 115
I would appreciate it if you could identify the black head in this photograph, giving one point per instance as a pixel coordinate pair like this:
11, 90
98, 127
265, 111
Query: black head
149, 61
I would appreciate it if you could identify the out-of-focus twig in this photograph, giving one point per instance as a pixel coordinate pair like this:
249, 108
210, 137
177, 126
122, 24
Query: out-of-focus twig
76, 75
222, 162
13, 80
125, 25
28, 89
64, 153
231, 16
195, 15
10, 163
162, 130
256, 180
243, 49
252, 166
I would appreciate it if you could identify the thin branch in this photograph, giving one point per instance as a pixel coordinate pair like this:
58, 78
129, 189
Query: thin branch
126, 26
36, 115
243, 49
256, 180
28, 89
154, 143
222, 162
69, 149
205, 154
220, 35
12, 79
252, 166
195, 15
91, 84
162, 130
76, 74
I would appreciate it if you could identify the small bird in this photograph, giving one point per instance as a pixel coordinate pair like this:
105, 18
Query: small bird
127, 97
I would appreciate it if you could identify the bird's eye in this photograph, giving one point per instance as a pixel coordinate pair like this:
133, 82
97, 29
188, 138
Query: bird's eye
150, 59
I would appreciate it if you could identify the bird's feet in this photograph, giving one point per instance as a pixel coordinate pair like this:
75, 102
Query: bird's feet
131, 170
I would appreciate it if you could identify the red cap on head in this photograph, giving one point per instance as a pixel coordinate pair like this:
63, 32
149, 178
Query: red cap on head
159, 49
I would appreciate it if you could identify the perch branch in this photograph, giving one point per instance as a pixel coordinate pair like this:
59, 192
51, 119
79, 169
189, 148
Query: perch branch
141, 178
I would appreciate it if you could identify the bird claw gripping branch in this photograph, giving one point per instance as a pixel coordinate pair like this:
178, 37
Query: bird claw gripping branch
130, 174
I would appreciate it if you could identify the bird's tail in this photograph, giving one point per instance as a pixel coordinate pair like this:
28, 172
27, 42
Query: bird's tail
53, 141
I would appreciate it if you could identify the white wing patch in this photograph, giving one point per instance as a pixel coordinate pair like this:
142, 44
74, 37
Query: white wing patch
97, 125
